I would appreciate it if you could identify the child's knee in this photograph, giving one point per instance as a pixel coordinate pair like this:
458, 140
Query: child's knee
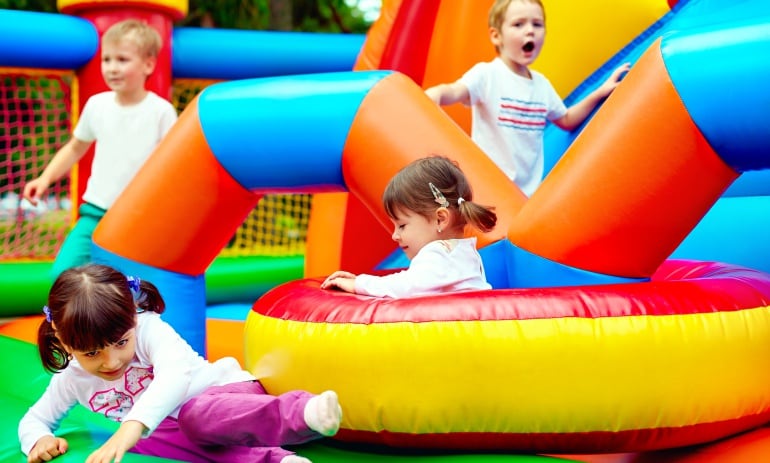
189, 423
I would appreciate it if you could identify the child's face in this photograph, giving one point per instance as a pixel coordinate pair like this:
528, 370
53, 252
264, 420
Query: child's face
110, 362
412, 231
124, 68
521, 35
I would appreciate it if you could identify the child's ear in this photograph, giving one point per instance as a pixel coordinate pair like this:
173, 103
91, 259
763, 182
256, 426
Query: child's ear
494, 36
442, 217
149, 65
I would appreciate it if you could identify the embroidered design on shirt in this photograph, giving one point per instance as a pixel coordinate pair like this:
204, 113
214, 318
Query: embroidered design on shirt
114, 403
111, 403
137, 379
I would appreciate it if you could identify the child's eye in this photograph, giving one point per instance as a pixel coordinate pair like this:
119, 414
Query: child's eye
91, 354
121, 343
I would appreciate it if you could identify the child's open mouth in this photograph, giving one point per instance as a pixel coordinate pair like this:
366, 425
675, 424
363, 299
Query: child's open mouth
528, 47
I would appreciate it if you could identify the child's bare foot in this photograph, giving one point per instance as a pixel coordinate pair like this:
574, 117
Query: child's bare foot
323, 413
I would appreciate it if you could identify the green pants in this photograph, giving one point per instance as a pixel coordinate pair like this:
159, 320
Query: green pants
76, 248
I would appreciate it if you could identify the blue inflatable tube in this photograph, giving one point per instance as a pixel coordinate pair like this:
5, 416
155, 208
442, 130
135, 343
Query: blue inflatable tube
718, 72
45, 40
238, 54
184, 295
320, 107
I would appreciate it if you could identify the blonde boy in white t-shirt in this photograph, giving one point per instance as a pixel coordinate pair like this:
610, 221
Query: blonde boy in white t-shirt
126, 123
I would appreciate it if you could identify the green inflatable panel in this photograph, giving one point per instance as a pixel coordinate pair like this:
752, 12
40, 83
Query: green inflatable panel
25, 285
245, 279
22, 380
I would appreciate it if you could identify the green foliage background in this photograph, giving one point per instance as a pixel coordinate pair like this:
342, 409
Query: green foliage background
332, 16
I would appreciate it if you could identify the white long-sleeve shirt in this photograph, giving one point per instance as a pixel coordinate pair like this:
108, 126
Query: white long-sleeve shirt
440, 267
164, 374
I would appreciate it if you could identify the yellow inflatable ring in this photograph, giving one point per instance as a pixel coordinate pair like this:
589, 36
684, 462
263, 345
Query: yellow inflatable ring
679, 360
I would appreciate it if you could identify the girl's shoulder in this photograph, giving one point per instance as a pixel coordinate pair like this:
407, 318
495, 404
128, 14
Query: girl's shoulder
450, 245
442, 246
150, 323
147, 318
448, 250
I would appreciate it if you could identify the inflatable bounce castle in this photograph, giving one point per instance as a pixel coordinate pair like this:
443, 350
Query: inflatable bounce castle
601, 335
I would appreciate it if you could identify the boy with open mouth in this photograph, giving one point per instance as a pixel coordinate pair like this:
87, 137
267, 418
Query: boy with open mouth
511, 103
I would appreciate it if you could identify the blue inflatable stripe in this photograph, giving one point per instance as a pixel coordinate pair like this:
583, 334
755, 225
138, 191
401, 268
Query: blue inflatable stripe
45, 40
239, 54
185, 295
284, 133
733, 231
721, 75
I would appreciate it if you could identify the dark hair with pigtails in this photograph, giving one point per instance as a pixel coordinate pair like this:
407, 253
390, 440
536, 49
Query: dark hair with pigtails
90, 307
428, 183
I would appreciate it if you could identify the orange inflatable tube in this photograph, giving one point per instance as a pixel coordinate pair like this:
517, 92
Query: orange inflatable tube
649, 166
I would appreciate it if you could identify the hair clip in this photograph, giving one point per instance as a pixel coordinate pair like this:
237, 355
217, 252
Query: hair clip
460, 200
47, 313
438, 196
133, 285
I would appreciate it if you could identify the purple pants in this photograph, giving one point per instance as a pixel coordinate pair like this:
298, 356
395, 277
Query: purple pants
237, 422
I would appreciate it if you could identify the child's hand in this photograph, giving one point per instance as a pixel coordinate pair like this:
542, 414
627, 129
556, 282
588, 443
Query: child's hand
127, 435
613, 80
34, 189
46, 449
345, 281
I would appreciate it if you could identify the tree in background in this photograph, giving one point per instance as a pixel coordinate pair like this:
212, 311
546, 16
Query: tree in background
332, 16
47, 6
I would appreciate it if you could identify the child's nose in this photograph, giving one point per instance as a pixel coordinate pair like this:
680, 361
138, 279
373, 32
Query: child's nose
111, 361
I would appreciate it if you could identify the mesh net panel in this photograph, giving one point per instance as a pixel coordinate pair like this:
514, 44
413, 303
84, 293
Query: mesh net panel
34, 123
35, 109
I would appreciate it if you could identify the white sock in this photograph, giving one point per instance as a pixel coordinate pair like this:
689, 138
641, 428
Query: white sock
294, 459
323, 413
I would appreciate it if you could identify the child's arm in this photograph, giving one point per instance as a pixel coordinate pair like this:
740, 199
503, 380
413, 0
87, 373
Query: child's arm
59, 166
577, 113
127, 435
431, 271
37, 425
446, 94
